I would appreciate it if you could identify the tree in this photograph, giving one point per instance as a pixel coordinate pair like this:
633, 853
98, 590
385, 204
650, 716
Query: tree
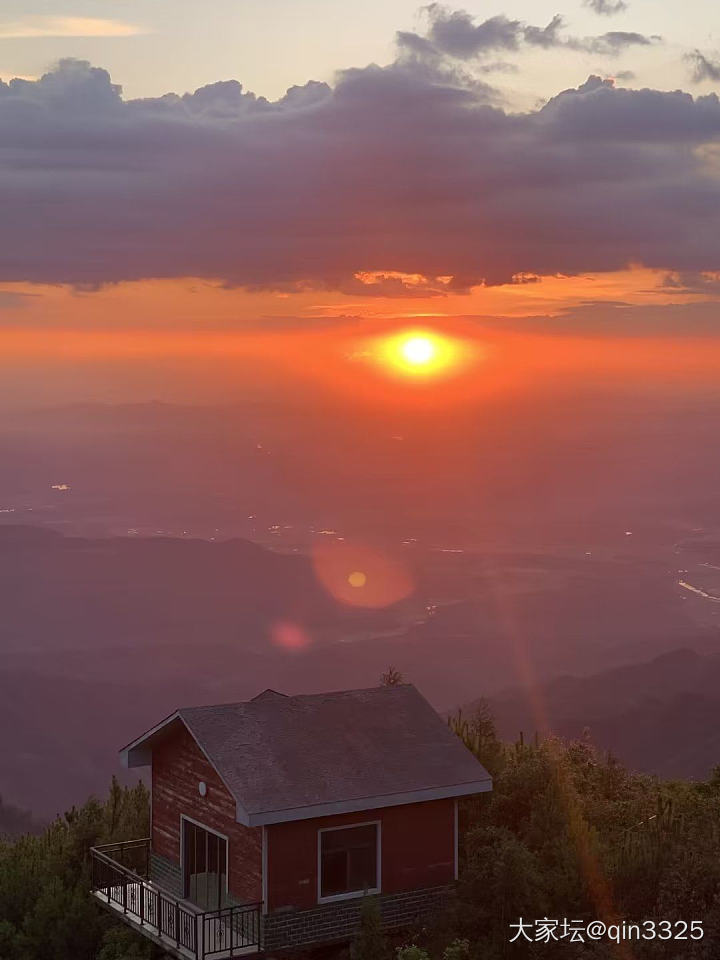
370, 943
119, 943
502, 879
479, 734
46, 909
392, 677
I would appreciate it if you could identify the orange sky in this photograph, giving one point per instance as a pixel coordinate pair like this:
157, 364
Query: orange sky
332, 339
189, 302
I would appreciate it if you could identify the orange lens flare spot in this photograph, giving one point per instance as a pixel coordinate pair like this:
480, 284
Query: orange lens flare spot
360, 575
289, 636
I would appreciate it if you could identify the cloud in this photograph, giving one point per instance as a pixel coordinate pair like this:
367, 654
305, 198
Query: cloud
613, 42
10, 299
455, 34
399, 171
270, 322
607, 8
688, 281
40, 26
603, 318
703, 67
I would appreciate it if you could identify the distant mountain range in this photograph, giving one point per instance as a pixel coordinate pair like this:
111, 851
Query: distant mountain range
100, 637
661, 716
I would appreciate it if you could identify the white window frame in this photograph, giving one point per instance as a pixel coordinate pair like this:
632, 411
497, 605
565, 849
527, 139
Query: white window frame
456, 842
264, 869
351, 894
217, 833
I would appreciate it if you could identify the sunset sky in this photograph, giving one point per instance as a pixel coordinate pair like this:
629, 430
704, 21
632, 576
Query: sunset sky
540, 187
419, 303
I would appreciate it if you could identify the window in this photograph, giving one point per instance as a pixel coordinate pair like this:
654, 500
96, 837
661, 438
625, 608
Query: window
349, 861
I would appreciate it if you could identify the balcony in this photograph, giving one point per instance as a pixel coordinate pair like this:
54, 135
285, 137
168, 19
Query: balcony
121, 882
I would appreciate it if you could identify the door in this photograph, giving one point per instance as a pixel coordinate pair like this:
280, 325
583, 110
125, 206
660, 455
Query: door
204, 866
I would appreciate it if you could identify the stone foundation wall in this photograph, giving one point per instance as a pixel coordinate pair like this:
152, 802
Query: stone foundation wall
340, 920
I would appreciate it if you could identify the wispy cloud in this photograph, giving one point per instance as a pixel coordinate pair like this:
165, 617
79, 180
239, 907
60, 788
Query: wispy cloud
38, 26
703, 67
607, 8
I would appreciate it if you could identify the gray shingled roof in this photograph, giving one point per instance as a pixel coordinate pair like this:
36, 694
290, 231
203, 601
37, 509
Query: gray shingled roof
288, 758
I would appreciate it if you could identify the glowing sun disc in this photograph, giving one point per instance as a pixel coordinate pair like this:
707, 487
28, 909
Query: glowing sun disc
420, 354
418, 350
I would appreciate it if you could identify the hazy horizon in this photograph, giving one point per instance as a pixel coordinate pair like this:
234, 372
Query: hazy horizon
332, 337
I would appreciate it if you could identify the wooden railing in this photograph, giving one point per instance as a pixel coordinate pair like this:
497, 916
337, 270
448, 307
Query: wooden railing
120, 876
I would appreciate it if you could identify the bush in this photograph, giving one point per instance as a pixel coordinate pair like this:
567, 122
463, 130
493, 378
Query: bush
412, 952
370, 943
45, 905
457, 950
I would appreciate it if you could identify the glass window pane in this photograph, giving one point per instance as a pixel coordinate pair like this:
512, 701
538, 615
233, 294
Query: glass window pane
200, 850
222, 877
362, 869
204, 866
212, 853
334, 872
349, 837
348, 861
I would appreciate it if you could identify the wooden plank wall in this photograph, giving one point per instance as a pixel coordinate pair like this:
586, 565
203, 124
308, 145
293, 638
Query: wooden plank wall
418, 851
178, 766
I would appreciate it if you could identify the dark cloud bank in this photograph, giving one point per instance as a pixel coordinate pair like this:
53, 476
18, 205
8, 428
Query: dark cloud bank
412, 167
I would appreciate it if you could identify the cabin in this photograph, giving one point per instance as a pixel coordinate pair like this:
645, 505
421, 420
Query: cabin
272, 818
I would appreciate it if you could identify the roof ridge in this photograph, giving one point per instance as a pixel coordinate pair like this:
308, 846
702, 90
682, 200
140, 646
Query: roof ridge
268, 694
334, 693
293, 696
350, 750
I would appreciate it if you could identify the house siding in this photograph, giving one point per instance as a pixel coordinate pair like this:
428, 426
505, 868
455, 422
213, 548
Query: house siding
418, 852
178, 766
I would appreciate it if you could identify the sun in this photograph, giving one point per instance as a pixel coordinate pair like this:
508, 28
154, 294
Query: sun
418, 350
418, 354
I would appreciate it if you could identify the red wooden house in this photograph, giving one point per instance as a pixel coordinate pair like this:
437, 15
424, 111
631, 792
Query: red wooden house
272, 818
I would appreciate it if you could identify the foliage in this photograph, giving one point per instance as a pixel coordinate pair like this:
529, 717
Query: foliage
370, 942
479, 734
391, 677
457, 950
569, 832
566, 832
47, 913
412, 952
121, 943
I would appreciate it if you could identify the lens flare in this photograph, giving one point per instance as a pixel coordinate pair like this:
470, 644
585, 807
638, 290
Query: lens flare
359, 575
289, 636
